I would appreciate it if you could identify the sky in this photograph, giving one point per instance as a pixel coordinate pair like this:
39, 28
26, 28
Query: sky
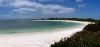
33, 9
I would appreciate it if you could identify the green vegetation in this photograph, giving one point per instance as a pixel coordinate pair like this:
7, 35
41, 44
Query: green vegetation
88, 37
74, 19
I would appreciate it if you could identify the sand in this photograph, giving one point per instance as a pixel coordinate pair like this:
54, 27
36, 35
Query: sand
39, 40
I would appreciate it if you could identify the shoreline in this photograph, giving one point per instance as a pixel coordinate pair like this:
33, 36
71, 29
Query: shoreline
39, 40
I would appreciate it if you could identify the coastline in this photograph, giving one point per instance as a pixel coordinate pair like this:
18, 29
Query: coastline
39, 40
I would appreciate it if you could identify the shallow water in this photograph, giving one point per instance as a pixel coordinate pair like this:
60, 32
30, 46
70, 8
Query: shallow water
31, 26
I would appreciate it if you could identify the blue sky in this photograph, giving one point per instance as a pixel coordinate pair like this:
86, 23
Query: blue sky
31, 9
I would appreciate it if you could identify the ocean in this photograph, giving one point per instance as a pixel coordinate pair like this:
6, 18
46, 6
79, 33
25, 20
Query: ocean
31, 26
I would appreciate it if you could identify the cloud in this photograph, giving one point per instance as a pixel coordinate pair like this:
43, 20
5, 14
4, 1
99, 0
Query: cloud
1, 1
20, 3
49, 0
46, 11
67, 10
24, 10
79, 0
25, 6
81, 5
44, 0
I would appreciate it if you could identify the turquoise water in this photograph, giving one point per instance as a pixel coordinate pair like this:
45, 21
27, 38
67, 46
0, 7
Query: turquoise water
31, 26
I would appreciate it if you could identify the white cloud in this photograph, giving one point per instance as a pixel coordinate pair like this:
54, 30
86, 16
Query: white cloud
54, 7
10, 13
79, 0
34, 6
1, 1
44, 0
24, 10
20, 3
46, 11
66, 10
81, 5
49, 0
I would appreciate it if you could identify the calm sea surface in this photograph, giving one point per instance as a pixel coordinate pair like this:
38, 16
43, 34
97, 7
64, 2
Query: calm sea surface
31, 26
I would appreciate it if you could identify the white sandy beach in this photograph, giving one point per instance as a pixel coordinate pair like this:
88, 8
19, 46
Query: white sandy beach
38, 40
